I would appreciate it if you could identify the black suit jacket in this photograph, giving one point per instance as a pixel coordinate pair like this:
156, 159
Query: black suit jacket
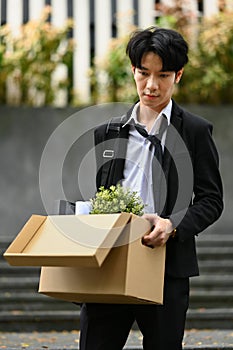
194, 198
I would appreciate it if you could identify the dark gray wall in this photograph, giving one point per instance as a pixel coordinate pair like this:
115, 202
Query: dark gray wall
23, 135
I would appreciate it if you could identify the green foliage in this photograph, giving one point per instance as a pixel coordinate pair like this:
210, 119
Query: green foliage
208, 76
116, 199
29, 59
113, 75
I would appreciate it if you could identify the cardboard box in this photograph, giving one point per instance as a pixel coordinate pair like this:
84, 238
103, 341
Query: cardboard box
131, 273
66, 240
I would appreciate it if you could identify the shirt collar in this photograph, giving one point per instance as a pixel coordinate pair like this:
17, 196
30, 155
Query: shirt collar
166, 110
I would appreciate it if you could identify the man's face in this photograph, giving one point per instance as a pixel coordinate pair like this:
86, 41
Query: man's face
154, 87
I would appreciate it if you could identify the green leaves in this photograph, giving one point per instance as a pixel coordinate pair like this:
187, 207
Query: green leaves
31, 58
208, 75
116, 199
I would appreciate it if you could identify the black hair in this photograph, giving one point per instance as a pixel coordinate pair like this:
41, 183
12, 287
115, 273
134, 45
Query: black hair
168, 44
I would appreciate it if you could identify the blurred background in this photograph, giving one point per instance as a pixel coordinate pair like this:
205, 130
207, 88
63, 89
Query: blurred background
72, 52
58, 57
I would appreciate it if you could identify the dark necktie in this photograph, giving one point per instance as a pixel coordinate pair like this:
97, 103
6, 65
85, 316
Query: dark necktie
159, 184
155, 139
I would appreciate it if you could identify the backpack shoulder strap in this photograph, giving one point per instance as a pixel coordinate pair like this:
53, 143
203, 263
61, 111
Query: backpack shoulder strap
114, 126
112, 133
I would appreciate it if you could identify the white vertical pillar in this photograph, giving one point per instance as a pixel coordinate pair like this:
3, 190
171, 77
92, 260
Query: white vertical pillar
229, 5
103, 24
146, 13
14, 18
167, 2
191, 5
210, 8
58, 19
35, 9
59, 12
14, 15
125, 12
82, 52
103, 34
192, 29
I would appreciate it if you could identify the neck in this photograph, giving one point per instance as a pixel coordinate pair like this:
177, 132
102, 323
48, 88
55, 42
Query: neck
147, 116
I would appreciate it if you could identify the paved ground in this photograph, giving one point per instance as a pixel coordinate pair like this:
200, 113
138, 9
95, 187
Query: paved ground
194, 339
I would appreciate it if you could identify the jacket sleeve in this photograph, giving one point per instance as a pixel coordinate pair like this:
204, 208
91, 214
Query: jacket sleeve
206, 204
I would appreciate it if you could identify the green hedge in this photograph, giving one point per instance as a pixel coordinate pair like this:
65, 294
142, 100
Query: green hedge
29, 59
208, 76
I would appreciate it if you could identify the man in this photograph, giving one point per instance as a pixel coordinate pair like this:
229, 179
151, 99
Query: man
188, 201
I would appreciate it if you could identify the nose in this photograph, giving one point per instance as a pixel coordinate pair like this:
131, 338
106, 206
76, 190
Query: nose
152, 83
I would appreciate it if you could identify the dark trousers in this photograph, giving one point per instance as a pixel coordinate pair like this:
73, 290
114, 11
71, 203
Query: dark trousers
107, 326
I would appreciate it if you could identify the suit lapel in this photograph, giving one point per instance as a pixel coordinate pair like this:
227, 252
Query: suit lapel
173, 132
172, 136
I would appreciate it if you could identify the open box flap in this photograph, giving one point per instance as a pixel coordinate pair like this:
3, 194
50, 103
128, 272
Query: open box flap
66, 240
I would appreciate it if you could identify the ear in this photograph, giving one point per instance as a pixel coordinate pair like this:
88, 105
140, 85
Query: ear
133, 69
179, 75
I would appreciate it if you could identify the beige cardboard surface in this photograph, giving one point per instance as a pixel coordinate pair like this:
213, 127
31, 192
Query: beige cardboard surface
66, 240
131, 273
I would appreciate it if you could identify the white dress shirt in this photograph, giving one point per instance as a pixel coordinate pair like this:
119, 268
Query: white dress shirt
139, 156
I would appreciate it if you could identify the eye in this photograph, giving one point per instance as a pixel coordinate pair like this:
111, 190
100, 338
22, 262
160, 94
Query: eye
143, 73
164, 75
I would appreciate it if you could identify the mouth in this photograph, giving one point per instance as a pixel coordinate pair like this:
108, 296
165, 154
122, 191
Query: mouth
151, 96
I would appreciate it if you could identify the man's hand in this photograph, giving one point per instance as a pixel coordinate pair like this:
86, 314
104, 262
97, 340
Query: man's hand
161, 231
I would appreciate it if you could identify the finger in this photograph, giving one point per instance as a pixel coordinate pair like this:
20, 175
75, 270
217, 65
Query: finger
147, 244
152, 218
